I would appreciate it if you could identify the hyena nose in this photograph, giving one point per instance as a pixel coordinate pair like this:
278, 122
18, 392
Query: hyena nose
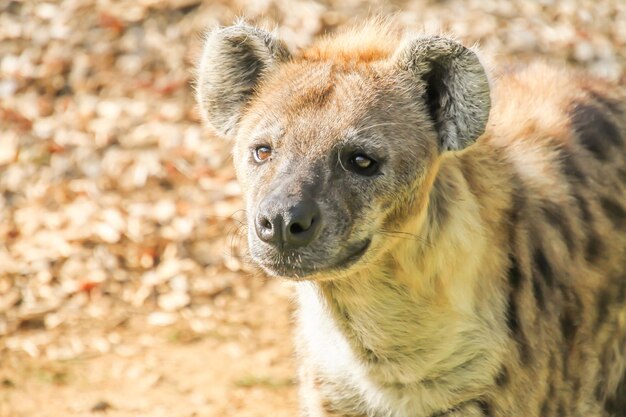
302, 222
290, 227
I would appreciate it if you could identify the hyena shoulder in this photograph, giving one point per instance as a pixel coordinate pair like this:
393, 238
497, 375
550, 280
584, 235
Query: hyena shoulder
562, 135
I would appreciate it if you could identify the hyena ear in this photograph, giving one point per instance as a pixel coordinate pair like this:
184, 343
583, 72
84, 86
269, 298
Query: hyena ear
456, 87
233, 62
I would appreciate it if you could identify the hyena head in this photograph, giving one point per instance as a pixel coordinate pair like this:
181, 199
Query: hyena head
338, 145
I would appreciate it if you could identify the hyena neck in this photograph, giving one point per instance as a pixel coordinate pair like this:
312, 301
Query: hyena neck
419, 304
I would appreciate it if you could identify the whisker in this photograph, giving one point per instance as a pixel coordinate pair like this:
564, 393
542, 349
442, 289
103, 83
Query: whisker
235, 233
339, 159
380, 124
406, 236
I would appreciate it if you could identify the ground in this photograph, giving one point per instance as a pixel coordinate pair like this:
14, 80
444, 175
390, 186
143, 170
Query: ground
244, 368
125, 287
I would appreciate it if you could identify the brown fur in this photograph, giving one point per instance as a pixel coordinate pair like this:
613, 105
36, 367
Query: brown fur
495, 281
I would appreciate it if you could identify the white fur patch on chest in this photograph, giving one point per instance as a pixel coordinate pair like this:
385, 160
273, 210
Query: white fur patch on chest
387, 380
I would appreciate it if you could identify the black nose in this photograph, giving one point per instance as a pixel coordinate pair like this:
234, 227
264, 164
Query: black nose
288, 225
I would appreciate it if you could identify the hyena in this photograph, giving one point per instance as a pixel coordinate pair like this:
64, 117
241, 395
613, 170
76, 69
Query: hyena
457, 238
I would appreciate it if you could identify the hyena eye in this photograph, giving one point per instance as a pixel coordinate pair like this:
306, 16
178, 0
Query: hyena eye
363, 164
262, 153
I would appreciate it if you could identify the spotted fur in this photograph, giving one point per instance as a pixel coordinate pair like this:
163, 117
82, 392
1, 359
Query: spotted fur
495, 281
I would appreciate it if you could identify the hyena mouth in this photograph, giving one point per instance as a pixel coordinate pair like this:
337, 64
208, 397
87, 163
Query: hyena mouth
290, 266
354, 256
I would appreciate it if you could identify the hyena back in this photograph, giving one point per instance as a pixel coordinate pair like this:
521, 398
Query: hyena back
458, 241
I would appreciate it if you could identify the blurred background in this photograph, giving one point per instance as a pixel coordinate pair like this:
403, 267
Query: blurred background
124, 285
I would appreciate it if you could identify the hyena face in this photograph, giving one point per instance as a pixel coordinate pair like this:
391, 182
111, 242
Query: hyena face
333, 151
322, 155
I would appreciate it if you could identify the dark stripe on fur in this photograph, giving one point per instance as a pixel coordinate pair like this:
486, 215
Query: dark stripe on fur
615, 405
594, 248
503, 377
486, 408
583, 206
538, 293
614, 211
517, 333
571, 317
543, 267
602, 307
612, 105
571, 168
514, 275
595, 132
555, 216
